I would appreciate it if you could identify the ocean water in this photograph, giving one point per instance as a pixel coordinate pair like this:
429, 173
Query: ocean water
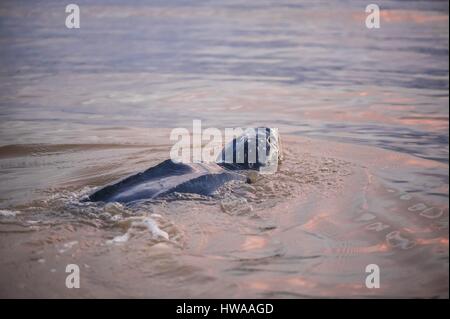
363, 114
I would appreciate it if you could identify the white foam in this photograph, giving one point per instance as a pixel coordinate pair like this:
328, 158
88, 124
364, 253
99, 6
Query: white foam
146, 223
67, 246
114, 208
120, 239
70, 244
8, 213
154, 229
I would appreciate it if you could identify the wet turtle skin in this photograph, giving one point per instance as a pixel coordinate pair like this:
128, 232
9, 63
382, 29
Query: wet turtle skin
167, 178
170, 177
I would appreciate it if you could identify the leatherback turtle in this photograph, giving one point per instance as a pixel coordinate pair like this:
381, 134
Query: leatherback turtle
255, 150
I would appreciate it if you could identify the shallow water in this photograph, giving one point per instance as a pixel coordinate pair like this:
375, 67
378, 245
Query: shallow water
363, 114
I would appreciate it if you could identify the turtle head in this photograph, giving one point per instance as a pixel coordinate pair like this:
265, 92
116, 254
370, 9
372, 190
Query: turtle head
256, 149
